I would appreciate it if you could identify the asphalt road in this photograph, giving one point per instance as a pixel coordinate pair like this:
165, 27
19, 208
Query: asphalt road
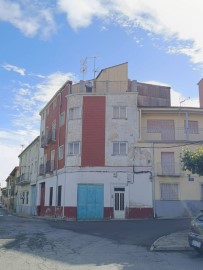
38, 244
131, 232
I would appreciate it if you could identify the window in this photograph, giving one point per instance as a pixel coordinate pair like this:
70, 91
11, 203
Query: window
50, 196
60, 153
74, 113
59, 195
74, 148
52, 159
168, 163
119, 112
165, 127
23, 197
27, 197
169, 191
53, 131
35, 166
192, 127
119, 148
62, 119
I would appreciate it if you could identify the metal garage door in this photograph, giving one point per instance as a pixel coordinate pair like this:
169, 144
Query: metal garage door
90, 201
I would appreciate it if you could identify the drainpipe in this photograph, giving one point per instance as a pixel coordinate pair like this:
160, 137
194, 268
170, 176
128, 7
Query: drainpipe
153, 183
58, 144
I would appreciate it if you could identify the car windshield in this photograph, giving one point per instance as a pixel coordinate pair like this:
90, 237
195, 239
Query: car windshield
200, 217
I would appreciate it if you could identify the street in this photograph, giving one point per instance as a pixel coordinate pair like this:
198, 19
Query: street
33, 243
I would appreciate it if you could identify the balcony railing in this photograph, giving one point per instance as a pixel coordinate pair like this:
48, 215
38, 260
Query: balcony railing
169, 134
101, 87
23, 179
50, 166
50, 137
168, 169
44, 141
41, 169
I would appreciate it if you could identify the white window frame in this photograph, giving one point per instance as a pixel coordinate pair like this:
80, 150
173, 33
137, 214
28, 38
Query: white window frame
117, 112
62, 119
75, 113
171, 192
72, 146
61, 152
119, 145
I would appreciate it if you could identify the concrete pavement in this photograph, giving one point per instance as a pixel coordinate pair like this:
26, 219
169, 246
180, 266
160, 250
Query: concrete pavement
172, 242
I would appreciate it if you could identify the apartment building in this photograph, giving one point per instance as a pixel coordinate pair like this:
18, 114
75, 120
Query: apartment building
110, 148
26, 182
165, 132
10, 199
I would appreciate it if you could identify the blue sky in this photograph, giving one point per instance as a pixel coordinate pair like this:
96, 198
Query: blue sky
43, 43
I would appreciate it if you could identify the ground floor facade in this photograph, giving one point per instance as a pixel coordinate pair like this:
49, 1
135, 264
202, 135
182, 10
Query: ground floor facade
26, 199
92, 194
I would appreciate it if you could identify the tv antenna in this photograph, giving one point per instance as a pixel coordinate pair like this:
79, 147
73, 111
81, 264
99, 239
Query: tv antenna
183, 100
84, 65
22, 146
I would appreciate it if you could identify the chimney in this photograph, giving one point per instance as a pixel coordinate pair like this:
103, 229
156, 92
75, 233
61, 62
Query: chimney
200, 84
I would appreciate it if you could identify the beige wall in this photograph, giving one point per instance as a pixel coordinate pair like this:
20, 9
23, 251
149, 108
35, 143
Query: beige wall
188, 190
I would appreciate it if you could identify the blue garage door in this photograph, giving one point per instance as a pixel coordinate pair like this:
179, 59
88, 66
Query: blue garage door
90, 201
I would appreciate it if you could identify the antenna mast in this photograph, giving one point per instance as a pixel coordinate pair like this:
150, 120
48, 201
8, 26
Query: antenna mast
84, 65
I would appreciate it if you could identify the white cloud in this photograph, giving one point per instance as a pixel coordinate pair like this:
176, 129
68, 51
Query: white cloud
13, 68
28, 102
81, 13
51, 84
30, 17
170, 19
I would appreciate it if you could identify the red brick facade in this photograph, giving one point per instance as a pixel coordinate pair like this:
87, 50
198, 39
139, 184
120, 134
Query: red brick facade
93, 131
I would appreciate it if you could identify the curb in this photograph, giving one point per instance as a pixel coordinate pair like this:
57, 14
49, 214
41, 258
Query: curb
172, 242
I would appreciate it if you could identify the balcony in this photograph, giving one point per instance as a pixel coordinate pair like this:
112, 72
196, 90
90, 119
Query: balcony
44, 141
169, 169
23, 179
41, 169
50, 166
177, 134
49, 138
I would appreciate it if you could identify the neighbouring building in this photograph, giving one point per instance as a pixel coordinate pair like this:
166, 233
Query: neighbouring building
27, 180
11, 191
110, 148
164, 133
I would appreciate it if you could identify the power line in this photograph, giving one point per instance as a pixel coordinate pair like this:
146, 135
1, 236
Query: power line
174, 146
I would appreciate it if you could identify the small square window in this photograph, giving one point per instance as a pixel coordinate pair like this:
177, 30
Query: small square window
119, 112
61, 151
74, 148
120, 148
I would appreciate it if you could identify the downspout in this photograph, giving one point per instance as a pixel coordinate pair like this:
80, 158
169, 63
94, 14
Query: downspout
58, 144
153, 183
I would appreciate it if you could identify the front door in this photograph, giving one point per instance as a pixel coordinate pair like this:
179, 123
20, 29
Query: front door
33, 198
119, 202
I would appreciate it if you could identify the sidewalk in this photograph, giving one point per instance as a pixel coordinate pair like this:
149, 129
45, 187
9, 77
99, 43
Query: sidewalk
172, 242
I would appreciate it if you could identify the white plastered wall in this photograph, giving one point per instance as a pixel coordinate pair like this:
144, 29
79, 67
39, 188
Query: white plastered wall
121, 129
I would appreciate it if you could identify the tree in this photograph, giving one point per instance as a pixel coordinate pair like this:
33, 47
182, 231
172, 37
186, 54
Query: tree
193, 161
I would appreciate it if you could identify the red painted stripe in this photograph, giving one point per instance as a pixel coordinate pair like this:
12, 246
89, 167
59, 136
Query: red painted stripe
93, 131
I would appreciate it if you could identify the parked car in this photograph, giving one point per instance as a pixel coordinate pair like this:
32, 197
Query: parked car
195, 237
1, 205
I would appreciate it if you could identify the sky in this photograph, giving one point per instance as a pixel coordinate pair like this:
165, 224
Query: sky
44, 43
